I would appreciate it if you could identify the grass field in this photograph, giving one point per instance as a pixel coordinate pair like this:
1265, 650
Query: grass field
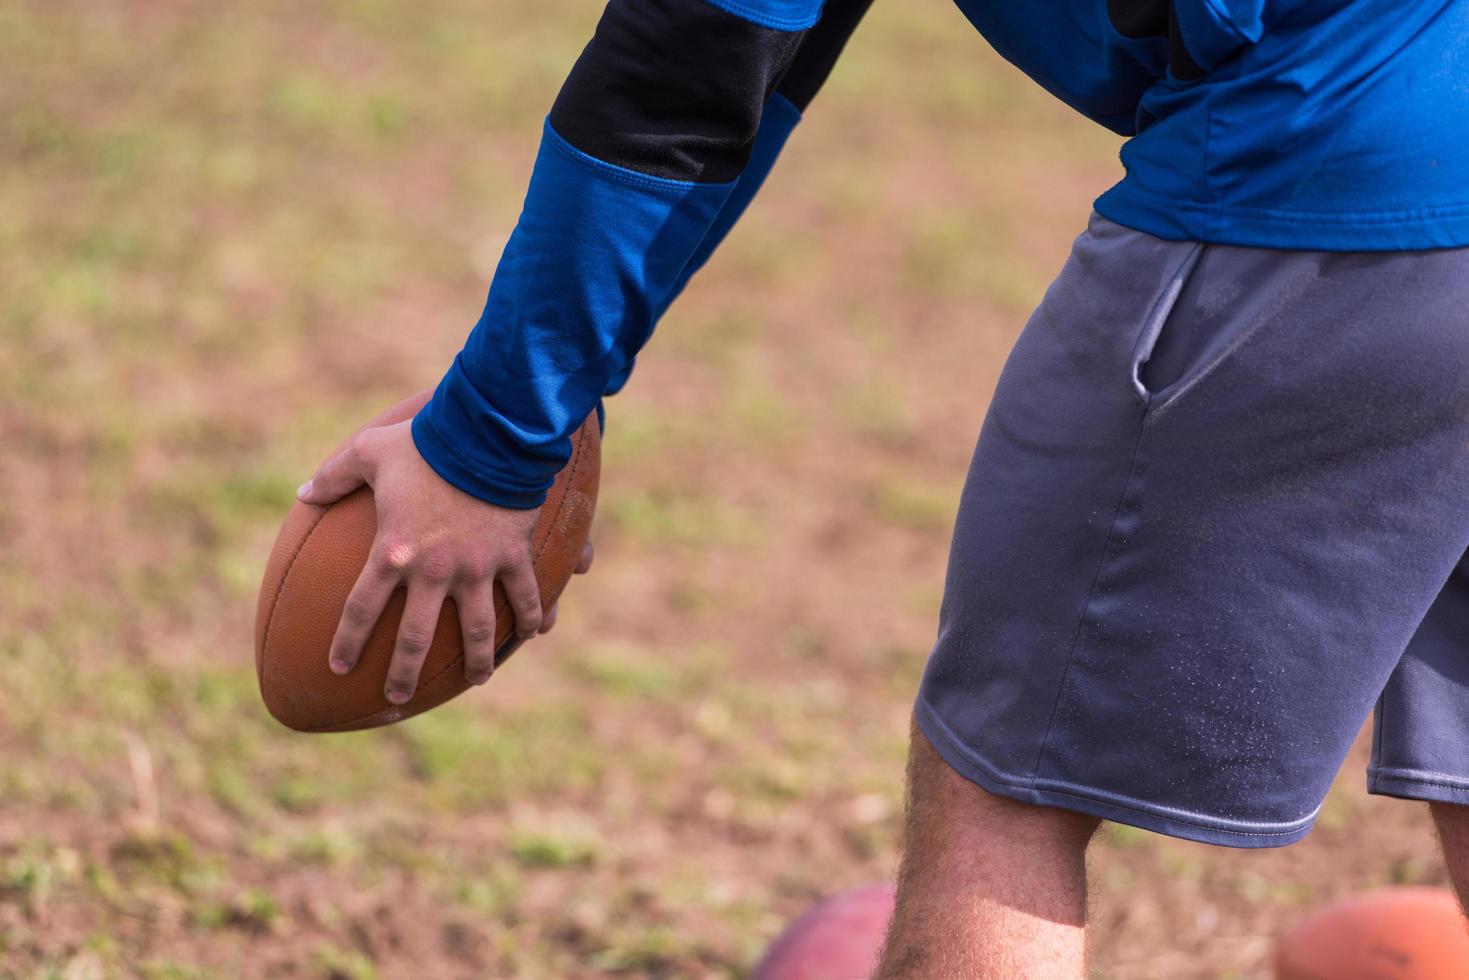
230, 232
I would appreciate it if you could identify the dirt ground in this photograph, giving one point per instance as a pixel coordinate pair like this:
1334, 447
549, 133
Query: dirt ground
230, 232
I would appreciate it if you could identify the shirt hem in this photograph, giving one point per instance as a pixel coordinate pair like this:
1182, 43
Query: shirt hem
1345, 231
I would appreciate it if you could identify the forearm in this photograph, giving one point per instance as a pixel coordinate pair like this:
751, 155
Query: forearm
641, 158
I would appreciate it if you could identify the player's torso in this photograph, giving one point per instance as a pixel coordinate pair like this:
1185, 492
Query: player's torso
1253, 107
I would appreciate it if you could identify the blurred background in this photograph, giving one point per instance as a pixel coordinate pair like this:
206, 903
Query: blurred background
231, 232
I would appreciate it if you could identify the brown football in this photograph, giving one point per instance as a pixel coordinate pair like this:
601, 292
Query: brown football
316, 559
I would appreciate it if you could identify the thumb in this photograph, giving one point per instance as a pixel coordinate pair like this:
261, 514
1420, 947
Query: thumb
338, 476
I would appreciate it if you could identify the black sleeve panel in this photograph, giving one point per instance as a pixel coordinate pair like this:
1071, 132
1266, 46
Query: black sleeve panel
820, 49
672, 88
1155, 18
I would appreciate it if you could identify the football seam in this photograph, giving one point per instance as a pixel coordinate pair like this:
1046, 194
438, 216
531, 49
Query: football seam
275, 600
570, 477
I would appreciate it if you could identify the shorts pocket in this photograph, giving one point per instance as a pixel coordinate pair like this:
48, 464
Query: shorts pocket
1161, 353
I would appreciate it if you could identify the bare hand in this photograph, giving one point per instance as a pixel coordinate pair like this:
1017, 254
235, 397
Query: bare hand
436, 541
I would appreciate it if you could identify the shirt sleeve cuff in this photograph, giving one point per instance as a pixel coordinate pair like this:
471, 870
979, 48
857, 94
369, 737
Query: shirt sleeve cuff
492, 488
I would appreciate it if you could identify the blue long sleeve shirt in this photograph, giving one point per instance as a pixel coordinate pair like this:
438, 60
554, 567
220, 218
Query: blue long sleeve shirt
1303, 124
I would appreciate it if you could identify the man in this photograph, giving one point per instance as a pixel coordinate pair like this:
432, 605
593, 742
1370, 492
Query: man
1221, 497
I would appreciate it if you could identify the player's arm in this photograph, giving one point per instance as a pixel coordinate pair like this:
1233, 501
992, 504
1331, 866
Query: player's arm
817, 56
641, 161
647, 157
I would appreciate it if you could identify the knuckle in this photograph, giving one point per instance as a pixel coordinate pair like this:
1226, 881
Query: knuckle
437, 568
414, 642
528, 616
480, 633
477, 567
356, 448
526, 592
360, 444
397, 553
516, 561
357, 613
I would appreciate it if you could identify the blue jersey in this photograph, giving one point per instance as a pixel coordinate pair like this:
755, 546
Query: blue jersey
1304, 124
1301, 124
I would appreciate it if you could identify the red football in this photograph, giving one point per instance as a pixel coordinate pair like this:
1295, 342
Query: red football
1389, 934
838, 939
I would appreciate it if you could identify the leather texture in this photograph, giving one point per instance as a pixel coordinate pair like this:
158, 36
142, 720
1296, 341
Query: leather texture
317, 557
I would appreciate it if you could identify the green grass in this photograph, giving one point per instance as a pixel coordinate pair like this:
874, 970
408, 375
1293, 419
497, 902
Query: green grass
912, 504
543, 849
671, 518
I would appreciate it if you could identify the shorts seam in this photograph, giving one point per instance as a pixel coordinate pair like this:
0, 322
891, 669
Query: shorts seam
1377, 726
1420, 777
1056, 787
1091, 591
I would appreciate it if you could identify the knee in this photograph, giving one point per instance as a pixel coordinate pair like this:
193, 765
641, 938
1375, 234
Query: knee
1452, 823
940, 796
1451, 814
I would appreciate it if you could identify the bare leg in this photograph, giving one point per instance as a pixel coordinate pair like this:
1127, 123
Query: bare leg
988, 887
1453, 835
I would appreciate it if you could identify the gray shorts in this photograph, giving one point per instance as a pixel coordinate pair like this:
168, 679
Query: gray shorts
1219, 509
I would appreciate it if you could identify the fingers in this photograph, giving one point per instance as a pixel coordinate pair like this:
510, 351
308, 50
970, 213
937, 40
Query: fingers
364, 606
524, 593
428, 586
476, 603
415, 636
340, 475
549, 619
